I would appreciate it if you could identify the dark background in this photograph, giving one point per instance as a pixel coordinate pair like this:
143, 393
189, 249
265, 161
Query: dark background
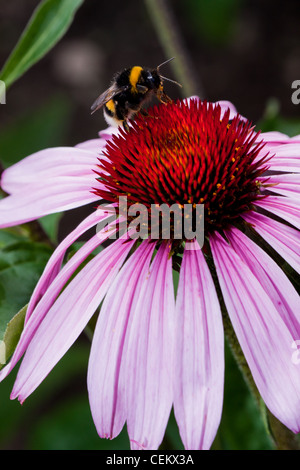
245, 51
240, 50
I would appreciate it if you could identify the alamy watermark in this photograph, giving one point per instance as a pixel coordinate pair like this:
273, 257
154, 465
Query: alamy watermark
296, 94
157, 222
2, 92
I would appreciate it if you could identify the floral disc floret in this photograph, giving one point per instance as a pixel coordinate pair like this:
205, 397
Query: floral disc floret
186, 153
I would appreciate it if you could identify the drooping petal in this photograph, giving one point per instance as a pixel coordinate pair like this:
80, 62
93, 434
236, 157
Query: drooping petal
33, 203
93, 145
55, 261
46, 166
39, 311
106, 392
148, 356
285, 164
283, 238
264, 337
285, 151
284, 157
286, 208
45, 303
199, 354
273, 280
68, 316
48, 181
286, 184
275, 137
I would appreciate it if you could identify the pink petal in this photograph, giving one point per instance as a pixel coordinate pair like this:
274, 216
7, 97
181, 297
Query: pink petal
273, 280
48, 165
284, 239
264, 337
286, 151
285, 184
286, 208
37, 315
148, 350
199, 354
109, 132
284, 157
228, 105
55, 261
225, 105
94, 145
275, 137
68, 316
106, 391
291, 165
35, 202
48, 181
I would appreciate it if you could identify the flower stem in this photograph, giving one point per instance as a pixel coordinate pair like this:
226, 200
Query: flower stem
170, 38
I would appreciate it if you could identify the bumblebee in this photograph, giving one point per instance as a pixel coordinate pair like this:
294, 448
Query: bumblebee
130, 89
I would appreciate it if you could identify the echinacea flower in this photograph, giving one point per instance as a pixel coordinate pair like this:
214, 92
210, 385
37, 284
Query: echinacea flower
150, 350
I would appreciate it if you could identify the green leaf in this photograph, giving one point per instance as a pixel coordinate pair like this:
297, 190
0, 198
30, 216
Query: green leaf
50, 224
9, 235
12, 334
48, 24
21, 264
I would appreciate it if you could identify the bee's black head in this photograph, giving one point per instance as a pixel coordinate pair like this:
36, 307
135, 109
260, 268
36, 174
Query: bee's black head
151, 79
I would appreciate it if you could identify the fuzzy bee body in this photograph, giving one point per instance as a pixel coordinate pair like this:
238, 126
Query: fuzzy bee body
129, 91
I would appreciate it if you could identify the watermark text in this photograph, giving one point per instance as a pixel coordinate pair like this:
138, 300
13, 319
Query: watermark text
157, 222
296, 94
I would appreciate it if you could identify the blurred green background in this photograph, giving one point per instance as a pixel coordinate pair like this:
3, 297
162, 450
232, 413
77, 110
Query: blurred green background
243, 51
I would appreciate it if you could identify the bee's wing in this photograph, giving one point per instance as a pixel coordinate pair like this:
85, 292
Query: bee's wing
105, 97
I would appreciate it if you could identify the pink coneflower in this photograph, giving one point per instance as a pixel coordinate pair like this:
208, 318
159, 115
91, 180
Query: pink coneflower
150, 350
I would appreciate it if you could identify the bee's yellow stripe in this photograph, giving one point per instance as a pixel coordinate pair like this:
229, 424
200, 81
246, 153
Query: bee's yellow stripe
110, 106
134, 76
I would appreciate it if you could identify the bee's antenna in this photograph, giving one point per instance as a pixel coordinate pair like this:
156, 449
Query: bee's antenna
169, 60
169, 80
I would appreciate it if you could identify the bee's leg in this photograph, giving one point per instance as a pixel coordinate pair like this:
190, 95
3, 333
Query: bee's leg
163, 98
161, 95
125, 125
